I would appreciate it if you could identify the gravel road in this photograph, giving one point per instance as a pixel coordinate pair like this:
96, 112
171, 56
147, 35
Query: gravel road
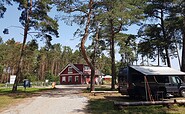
63, 100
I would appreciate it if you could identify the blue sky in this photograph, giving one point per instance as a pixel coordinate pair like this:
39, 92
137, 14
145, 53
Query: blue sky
11, 18
66, 38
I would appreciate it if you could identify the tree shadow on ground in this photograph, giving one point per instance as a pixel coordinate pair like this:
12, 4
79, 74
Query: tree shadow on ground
106, 106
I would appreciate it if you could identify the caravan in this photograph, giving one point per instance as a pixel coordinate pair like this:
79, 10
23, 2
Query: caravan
151, 82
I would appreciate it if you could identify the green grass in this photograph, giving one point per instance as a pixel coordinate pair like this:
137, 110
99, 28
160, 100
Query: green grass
22, 90
6, 100
104, 106
2, 85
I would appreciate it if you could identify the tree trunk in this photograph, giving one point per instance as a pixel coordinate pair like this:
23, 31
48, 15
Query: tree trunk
165, 39
183, 49
56, 68
113, 69
18, 73
92, 87
83, 50
26, 28
42, 71
158, 59
167, 57
53, 67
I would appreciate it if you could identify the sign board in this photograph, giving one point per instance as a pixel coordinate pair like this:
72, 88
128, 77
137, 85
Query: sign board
46, 81
12, 79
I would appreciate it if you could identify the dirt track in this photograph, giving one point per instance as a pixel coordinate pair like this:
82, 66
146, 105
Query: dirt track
63, 100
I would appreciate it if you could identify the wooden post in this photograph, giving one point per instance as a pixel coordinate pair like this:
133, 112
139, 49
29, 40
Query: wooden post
146, 92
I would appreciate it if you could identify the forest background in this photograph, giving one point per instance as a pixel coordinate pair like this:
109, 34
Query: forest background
146, 33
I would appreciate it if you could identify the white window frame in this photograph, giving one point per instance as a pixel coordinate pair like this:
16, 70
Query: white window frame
70, 70
70, 77
77, 77
63, 79
86, 68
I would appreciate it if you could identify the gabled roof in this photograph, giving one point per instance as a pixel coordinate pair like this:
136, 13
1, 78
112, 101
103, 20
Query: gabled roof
153, 70
74, 67
84, 72
78, 70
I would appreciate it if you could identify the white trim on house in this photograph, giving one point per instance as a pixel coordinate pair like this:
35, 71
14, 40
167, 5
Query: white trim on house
80, 72
69, 74
70, 69
73, 66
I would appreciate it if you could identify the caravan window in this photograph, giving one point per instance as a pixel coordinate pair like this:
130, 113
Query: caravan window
176, 80
162, 79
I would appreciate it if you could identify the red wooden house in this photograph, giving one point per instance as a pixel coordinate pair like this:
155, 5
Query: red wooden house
77, 74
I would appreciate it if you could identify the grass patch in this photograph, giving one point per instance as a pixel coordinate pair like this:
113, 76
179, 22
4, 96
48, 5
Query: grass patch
5, 101
21, 93
22, 90
104, 106
2, 85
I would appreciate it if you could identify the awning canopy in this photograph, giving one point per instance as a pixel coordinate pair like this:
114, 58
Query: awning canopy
157, 70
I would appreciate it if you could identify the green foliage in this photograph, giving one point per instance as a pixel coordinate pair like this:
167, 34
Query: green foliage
51, 77
37, 11
158, 34
104, 64
30, 77
128, 51
3, 9
1, 69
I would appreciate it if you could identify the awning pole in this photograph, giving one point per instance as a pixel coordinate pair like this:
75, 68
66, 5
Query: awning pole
149, 95
146, 91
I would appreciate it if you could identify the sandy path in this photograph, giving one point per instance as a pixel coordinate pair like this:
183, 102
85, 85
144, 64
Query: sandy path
61, 101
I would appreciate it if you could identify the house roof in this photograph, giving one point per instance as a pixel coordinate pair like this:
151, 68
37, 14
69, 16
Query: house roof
153, 70
74, 67
84, 72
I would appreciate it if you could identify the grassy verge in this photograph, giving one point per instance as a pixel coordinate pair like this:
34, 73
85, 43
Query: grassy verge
103, 104
7, 97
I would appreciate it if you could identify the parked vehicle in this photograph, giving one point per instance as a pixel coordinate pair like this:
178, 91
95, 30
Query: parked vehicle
147, 81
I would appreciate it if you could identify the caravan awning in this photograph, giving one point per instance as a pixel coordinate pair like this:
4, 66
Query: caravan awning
154, 71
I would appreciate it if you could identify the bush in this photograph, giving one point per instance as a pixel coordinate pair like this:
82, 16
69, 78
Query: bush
51, 77
30, 77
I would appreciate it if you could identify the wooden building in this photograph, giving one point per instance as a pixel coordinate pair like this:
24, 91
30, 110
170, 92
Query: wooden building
77, 74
